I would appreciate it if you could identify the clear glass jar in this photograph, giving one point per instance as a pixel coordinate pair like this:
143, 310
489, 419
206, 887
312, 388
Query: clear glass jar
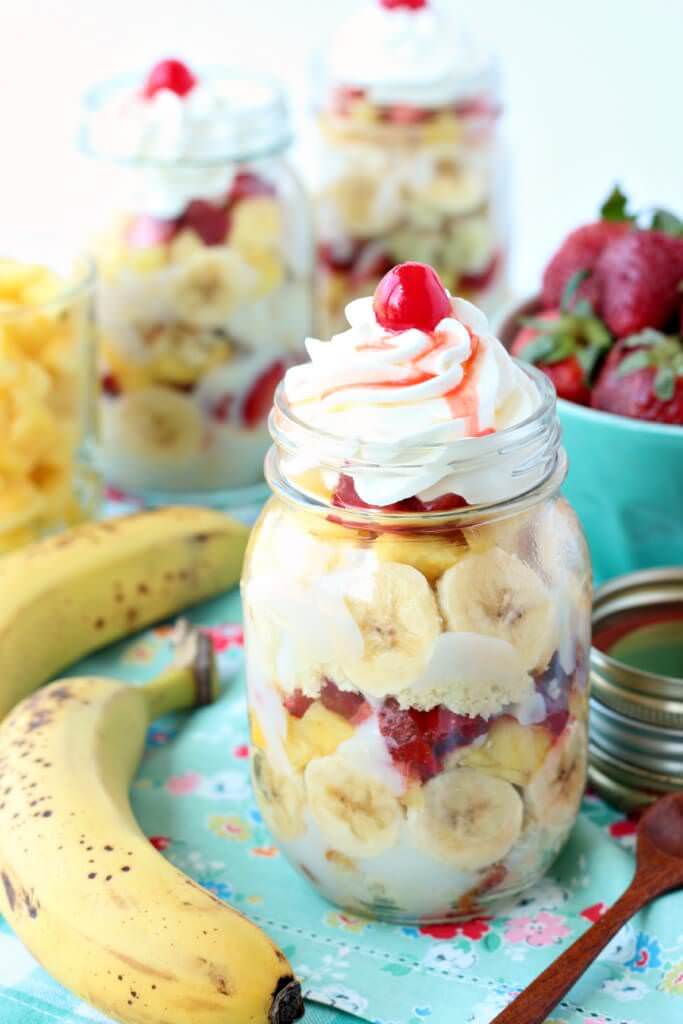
417, 674
205, 282
411, 162
47, 394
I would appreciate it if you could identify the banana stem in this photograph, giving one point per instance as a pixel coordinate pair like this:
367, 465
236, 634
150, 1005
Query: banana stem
192, 679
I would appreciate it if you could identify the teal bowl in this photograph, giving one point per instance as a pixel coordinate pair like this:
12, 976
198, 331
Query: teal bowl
625, 481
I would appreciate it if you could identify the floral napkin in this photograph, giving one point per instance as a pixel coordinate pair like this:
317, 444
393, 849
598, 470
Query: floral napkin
193, 799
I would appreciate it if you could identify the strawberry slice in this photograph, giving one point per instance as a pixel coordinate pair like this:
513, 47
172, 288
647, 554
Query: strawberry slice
259, 400
346, 496
208, 220
247, 185
297, 703
351, 706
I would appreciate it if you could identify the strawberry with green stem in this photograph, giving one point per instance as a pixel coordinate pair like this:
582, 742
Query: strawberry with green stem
566, 343
643, 378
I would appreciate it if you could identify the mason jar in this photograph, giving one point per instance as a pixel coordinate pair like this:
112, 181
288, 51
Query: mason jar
411, 163
205, 278
47, 393
417, 671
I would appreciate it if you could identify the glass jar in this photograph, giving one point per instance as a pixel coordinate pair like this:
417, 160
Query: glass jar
417, 673
205, 281
411, 161
47, 394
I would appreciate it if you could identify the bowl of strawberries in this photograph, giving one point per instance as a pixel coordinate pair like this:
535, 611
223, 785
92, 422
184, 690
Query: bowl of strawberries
607, 329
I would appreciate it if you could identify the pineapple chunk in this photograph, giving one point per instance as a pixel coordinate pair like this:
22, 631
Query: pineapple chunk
431, 556
510, 751
317, 734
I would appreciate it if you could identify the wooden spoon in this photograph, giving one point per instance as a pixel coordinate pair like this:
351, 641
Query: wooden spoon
659, 869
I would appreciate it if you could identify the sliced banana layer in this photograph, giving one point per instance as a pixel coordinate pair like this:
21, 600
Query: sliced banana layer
511, 751
280, 797
356, 813
209, 286
156, 424
431, 556
397, 616
495, 593
466, 818
554, 793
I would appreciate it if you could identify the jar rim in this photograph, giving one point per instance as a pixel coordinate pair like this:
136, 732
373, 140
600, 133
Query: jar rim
277, 134
536, 441
80, 284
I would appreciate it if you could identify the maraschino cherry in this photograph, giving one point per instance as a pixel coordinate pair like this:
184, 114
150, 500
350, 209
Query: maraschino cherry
169, 74
411, 295
409, 5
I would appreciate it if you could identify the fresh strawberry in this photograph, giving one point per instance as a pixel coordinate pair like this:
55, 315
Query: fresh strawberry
247, 185
259, 399
346, 496
145, 231
565, 343
408, 5
484, 279
580, 251
643, 378
297, 703
351, 706
639, 275
169, 74
208, 220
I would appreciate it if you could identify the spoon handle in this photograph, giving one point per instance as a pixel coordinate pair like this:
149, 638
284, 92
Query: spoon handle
535, 1003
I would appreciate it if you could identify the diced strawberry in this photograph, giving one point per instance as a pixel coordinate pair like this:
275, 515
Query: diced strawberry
169, 74
297, 704
146, 231
110, 385
639, 276
581, 250
343, 702
404, 113
409, 5
419, 740
484, 279
247, 185
411, 295
259, 400
338, 256
346, 496
643, 378
208, 220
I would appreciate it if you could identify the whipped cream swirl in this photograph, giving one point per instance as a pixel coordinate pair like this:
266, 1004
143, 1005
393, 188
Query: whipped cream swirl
181, 148
425, 408
421, 58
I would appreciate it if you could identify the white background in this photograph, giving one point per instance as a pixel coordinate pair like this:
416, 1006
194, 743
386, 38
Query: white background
594, 90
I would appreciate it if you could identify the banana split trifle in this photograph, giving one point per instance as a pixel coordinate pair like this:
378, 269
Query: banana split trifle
411, 159
205, 267
417, 605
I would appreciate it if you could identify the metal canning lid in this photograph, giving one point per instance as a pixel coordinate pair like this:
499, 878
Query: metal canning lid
630, 775
626, 797
645, 696
654, 749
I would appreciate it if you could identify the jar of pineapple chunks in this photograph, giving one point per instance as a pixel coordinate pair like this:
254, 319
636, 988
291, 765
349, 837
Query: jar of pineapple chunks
47, 395
411, 162
205, 263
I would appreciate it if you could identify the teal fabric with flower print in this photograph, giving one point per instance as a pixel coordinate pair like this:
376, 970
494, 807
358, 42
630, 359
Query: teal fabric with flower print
193, 798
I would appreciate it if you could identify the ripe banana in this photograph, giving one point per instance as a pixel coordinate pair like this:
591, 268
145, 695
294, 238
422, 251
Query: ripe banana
87, 893
73, 593
554, 793
466, 818
280, 797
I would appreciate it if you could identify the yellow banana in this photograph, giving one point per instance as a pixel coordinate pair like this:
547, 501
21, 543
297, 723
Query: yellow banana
83, 888
73, 593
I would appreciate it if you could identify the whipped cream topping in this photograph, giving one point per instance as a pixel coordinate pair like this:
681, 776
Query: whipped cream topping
424, 407
182, 148
422, 58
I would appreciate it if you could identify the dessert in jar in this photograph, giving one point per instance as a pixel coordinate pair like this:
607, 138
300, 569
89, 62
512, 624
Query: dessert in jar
417, 610
411, 162
205, 278
47, 393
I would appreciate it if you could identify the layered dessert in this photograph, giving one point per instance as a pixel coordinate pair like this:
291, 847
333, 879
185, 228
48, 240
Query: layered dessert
205, 278
417, 608
411, 161
45, 354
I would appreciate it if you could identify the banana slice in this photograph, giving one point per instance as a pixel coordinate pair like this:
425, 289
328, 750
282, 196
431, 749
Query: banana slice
398, 621
454, 191
554, 793
466, 819
156, 423
210, 285
512, 534
496, 594
357, 814
431, 556
280, 798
